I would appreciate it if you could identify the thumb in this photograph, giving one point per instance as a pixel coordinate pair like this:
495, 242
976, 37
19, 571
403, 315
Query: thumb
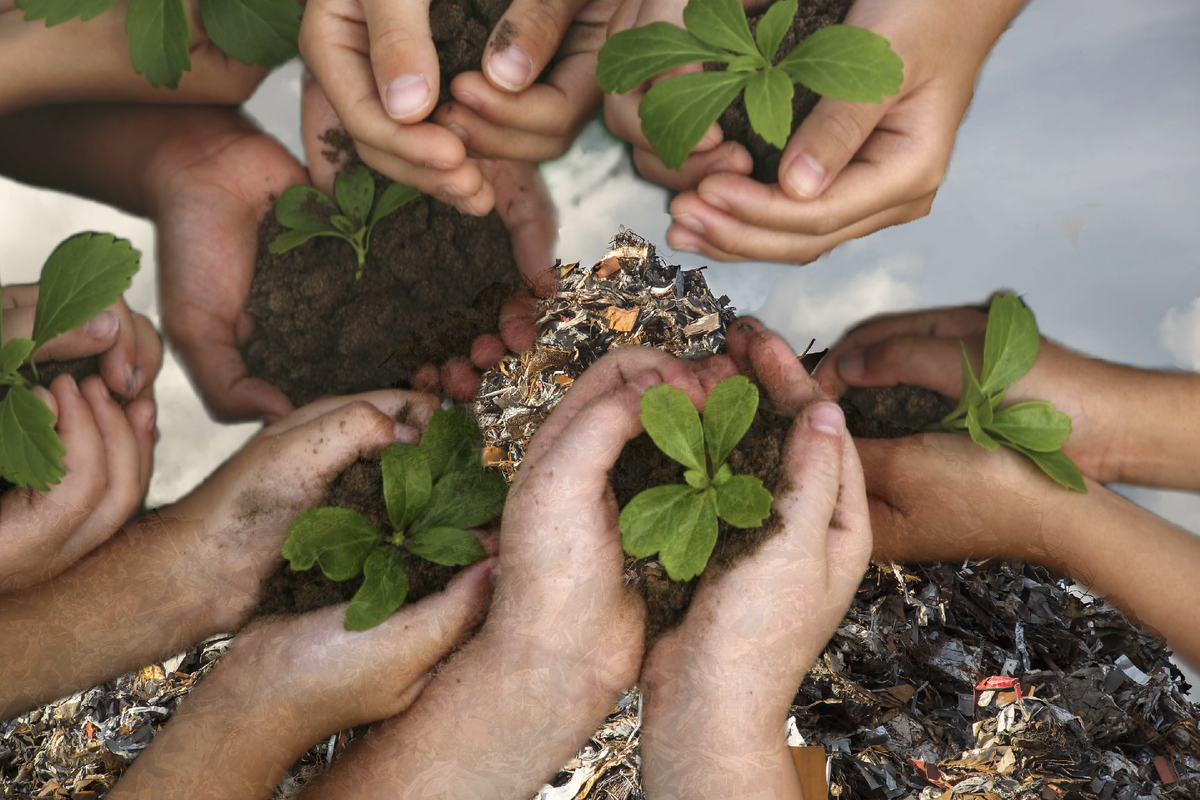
930, 362
403, 57
525, 39
524, 204
824, 144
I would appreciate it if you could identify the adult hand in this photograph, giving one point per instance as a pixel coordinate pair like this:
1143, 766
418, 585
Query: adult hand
851, 168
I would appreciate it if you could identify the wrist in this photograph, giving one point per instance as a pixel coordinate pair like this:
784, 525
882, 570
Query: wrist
1155, 439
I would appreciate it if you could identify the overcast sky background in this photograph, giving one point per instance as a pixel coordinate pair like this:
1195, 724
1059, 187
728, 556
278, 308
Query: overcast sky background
1074, 182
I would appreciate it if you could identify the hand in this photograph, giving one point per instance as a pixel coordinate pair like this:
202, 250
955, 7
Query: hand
98, 67
210, 185
850, 169
719, 686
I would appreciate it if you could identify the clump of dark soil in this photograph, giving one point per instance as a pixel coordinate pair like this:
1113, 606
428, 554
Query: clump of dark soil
735, 122
893, 411
460, 31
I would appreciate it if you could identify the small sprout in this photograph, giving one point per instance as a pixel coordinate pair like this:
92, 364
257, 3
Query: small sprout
82, 277
840, 61
1035, 429
307, 212
433, 492
680, 522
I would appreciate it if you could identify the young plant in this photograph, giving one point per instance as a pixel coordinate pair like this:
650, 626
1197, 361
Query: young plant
255, 32
434, 492
307, 212
1035, 429
82, 277
840, 61
679, 522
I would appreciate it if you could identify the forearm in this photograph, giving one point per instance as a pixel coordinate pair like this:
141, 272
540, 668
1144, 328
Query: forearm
1155, 419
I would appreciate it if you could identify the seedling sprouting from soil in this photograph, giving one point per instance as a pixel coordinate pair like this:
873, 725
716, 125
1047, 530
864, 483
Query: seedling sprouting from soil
679, 522
1036, 429
82, 277
255, 32
306, 212
433, 492
840, 61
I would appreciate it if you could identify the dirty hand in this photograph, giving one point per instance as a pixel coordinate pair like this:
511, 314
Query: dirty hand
722, 682
209, 185
98, 67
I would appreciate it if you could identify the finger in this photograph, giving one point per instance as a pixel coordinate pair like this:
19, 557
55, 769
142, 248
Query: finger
824, 144
216, 367
722, 157
713, 370
149, 355
461, 380
317, 118
518, 322
486, 139
524, 205
932, 362
22, 295
556, 109
92, 338
487, 351
403, 57
118, 365
414, 407
775, 366
814, 462
524, 41
738, 340
143, 416
463, 186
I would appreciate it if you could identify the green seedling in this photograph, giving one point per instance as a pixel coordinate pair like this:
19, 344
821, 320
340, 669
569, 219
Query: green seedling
350, 215
840, 61
82, 277
678, 521
255, 32
1035, 429
433, 492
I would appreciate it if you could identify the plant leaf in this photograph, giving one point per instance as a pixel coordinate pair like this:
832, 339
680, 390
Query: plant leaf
58, 11
728, 413
304, 208
289, 239
384, 589
345, 226
773, 26
724, 474
677, 111
744, 502
82, 277
747, 64
450, 547
690, 546
464, 499
159, 39
721, 23
407, 483
1035, 425
1058, 465
972, 394
451, 442
632, 57
339, 539
665, 517
1010, 345
697, 479
30, 451
260, 32
393, 198
13, 355
355, 192
769, 105
978, 435
672, 422
846, 63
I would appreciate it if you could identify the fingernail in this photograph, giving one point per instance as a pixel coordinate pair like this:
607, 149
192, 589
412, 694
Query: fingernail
851, 365
469, 100
510, 68
139, 380
406, 95
711, 139
102, 325
714, 201
43, 394
826, 417
458, 131
129, 381
805, 176
693, 224
644, 381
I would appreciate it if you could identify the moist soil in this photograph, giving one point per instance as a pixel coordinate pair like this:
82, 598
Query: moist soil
813, 15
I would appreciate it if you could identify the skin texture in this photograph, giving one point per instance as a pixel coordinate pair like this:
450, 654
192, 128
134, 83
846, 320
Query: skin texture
851, 168
109, 449
376, 62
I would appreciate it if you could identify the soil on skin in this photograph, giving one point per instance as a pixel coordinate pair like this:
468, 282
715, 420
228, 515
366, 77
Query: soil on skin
813, 15
894, 411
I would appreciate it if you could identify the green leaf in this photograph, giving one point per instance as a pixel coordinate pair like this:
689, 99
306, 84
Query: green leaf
384, 589
450, 547
1036, 426
304, 208
972, 394
344, 225
393, 198
677, 111
846, 63
769, 105
339, 539
159, 40
773, 26
289, 239
632, 57
355, 192
59, 11
464, 499
978, 435
83, 276
723, 476
407, 483
748, 64
451, 442
1058, 466
673, 521
744, 502
728, 413
697, 479
673, 424
1010, 346
260, 32
13, 355
721, 23
30, 451
691, 544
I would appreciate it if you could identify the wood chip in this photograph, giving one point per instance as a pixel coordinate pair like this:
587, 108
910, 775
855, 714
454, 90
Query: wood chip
623, 319
709, 322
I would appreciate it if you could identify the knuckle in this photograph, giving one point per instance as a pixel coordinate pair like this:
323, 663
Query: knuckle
845, 130
539, 24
